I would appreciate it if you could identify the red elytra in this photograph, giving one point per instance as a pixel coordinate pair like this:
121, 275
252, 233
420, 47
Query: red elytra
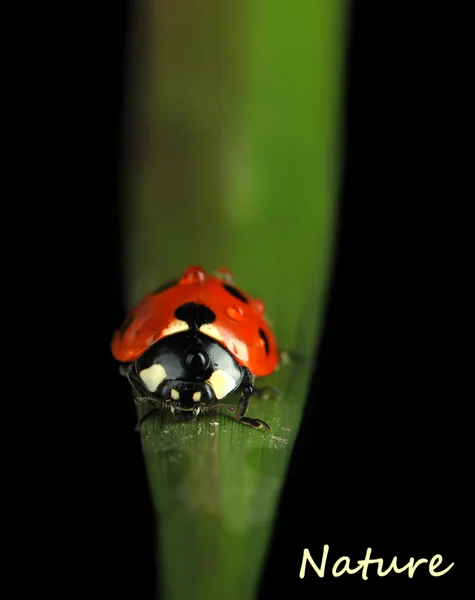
240, 324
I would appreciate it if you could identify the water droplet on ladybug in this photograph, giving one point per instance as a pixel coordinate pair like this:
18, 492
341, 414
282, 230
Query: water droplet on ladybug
193, 275
235, 313
258, 305
225, 274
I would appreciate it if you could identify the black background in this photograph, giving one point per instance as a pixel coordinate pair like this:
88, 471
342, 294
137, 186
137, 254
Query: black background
377, 463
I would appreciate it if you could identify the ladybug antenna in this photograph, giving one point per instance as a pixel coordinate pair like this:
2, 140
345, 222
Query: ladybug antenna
220, 405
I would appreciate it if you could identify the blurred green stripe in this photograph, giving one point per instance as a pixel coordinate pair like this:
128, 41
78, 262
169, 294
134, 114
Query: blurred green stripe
233, 160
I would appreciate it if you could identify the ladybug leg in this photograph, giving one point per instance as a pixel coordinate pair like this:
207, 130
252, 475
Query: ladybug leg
269, 391
127, 371
145, 418
157, 405
205, 409
124, 370
286, 357
225, 275
243, 404
139, 398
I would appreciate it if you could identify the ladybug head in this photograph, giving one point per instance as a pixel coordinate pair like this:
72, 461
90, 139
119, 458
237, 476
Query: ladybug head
186, 399
188, 373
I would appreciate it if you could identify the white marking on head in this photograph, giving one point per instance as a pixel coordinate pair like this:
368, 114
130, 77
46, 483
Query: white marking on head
197, 396
221, 383
153, 377
175, 394
175, 327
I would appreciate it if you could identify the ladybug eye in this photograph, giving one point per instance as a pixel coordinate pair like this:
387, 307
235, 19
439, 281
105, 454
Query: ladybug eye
195, 360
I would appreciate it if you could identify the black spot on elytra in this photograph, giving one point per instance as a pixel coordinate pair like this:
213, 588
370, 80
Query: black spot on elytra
262, 333
165, 286
235, 292
125, 325
195, 315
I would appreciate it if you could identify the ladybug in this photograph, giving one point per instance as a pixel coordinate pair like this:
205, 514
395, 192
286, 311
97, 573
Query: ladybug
191, 343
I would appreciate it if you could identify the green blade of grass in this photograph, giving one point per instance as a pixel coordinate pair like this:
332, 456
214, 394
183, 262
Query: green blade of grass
235, 164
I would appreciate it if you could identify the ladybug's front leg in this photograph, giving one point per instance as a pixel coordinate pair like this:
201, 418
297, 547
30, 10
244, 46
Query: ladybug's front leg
138, 389
146, 417
286, 357
269, 391
157, 405
243, 404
